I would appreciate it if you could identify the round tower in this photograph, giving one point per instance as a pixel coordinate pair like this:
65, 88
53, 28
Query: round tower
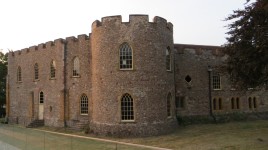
132, 77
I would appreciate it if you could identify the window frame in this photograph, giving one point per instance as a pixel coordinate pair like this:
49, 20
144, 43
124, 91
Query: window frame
19, 75
78, 67
178, 101
36, 72
253, 104
166, 61
216, 103
120, 107
119, 55
39, 95
169, 106
50, 66
218, 81
236, 103
80, 105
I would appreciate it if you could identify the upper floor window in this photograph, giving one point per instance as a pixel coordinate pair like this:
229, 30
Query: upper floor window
168, 60
52, 69
19, 74
36, 71
169, 105
76, 67
84, 105
127, 108
126, 57
216, 80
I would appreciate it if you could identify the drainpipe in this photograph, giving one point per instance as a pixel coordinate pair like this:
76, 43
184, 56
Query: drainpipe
174, 67
209, 88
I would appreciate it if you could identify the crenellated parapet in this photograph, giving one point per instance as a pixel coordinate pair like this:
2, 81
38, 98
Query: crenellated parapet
50, 44
133, 19
199, 49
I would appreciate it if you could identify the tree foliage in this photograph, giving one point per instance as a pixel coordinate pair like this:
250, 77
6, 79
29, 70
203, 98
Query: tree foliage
247, 46
3, 73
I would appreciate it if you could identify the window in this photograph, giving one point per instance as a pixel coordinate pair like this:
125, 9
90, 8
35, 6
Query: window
252, 102
180, 102
217, 103
127, 108
36, 71
235, 103
76, 67
19, 74
84, 105
125, 55
216, 81
41, 97
52, 69
169, 105
188, 79
168, 63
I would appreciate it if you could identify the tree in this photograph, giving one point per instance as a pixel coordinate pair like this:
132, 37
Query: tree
3, 73
247, 46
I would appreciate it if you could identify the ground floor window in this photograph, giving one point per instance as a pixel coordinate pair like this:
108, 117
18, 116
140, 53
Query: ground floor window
127, 108
84, 104
252, 102
235, 103
180, 102
217, 103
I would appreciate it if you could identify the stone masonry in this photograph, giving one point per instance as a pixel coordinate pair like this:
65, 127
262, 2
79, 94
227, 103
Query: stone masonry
104, 84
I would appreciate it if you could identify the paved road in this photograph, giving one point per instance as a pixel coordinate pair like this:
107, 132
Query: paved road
5, 146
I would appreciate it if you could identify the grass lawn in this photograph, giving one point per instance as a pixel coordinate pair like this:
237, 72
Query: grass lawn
235, 135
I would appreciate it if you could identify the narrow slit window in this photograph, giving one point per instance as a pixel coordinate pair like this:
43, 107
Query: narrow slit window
237, 103
76, 67
84, 104
52, 69
36, 77
41, 97
169, 105
254, 102
168, 63
249, 102
220, 101
180, 102
214, 104
232, 101
127, 108
19, 74
216, 81
125, 56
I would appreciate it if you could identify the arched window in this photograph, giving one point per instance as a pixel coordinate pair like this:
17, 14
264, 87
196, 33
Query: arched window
249, 102
84, 105
254, 102
36, 71
220, 102
125, 55
41, 97
127, 108
169, 105
52, 69
216, 81
168, 60
76, 67
19, 74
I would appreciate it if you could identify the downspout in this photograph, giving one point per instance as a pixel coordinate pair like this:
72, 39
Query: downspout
209, 88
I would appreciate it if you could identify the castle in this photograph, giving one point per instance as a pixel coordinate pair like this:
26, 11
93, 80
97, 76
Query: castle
125, 79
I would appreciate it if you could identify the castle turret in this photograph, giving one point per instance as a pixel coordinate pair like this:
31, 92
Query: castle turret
133, 76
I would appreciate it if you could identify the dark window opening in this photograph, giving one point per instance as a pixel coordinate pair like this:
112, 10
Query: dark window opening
188, 79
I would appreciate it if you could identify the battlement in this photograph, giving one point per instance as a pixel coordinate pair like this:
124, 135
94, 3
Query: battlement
199, 49
133, 19
50, 44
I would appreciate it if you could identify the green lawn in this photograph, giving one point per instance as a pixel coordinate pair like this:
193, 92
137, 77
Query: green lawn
232, 136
